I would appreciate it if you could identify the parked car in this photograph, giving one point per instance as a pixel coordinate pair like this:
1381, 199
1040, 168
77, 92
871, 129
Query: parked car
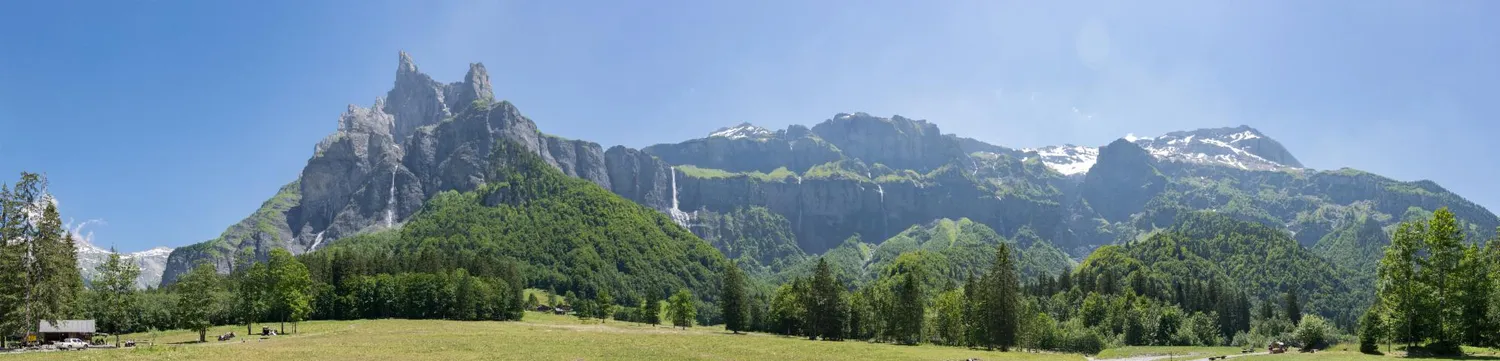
71, 344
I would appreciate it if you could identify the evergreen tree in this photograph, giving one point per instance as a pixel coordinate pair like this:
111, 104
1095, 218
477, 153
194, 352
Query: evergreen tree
1398, 289
115, 295
909, 309
827, 307
604, 306
1371, 331
974, 298
652, 309
195, 305
38, 267
733, 300
999, 304
584, 309
1267, 311
1293, 306
680, 309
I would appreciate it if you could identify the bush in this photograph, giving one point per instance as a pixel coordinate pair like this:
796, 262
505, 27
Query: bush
1313, 333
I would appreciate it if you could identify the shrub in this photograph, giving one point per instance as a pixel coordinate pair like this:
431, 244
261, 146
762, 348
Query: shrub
1312, 333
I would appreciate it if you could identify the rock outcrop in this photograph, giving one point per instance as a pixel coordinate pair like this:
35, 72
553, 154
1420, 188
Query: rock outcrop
385, 161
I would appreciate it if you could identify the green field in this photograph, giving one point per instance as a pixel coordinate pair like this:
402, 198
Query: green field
1178, 352
538, 337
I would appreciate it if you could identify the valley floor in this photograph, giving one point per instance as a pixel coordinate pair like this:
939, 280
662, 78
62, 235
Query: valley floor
550, 337
538, 337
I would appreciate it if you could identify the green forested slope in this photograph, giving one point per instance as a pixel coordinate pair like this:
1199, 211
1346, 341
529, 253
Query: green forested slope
564, 233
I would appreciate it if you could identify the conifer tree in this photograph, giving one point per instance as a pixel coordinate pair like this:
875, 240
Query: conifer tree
733, 298
910, 309
1293, 306
1400, 293
1371, 330
827, 307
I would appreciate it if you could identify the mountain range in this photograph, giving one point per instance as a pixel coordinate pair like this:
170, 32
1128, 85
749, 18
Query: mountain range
152, 262
775, 197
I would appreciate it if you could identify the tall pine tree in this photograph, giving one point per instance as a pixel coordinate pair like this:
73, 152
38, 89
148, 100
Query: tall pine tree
38, 266
733, 301
910, 307
1398, 288
827, 306
1293, 305
998, 305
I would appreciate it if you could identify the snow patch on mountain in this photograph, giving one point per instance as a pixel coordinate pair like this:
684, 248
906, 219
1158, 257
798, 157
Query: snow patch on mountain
1067, 159
152, 262
1242, 147
744, 130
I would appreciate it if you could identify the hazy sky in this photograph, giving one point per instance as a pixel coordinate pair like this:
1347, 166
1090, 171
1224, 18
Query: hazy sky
169, 121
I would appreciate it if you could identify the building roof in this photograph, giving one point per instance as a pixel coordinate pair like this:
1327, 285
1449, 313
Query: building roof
67, 326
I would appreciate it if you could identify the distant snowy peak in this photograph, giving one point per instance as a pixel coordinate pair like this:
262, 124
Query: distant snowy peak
744, 130
1067, 159
152, 262
1240, 147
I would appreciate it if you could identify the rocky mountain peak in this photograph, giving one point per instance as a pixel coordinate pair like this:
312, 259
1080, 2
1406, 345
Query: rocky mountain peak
405, 65
415, 100
1122, 181
476, 85
358, 119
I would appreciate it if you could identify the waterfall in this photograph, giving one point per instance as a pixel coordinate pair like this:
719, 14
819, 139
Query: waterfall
316, 241
677, 214
390, 205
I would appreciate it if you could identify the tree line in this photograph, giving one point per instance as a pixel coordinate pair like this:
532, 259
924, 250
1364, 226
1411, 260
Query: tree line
1436, 291
995, 309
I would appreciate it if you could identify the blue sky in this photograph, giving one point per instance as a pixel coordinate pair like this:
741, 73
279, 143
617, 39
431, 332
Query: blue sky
169, 121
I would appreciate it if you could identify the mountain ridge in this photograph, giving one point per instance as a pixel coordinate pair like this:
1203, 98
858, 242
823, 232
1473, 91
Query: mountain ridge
853, 174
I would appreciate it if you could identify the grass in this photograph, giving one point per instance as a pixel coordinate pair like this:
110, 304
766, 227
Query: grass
777, 175
1350, 352
1189, 352
538, 337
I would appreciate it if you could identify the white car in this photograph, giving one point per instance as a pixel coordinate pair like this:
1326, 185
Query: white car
71, 344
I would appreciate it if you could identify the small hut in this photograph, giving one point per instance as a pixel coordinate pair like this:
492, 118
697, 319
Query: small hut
65, 329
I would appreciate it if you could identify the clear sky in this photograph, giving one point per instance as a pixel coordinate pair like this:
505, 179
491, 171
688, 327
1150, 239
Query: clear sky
168, 121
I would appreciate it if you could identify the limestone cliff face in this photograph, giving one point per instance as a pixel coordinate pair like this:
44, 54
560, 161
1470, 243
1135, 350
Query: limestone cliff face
385, 161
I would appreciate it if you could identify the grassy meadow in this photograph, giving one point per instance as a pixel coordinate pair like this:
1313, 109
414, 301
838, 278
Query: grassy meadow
538, 337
